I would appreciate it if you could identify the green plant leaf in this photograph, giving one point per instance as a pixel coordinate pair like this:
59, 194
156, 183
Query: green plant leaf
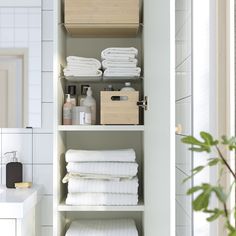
214, 162
208, 138
217, 213
193, 190
202, 201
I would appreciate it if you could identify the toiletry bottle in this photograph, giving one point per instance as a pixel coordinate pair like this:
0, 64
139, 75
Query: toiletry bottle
127, 87
67, 111
13, 171
81, 98
109, 88
89, 101
72, 92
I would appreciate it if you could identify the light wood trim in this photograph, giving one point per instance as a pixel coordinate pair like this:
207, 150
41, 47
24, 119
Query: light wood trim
102, 30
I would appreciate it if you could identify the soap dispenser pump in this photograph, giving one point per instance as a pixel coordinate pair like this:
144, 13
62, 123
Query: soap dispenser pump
13, 171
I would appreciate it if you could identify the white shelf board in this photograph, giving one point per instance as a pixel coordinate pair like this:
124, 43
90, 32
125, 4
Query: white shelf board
101, 128
64, 207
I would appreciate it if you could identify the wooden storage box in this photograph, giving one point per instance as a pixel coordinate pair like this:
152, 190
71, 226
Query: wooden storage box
119, 112
102, 17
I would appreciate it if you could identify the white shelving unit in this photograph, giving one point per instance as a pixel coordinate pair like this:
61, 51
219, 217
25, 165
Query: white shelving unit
153, 141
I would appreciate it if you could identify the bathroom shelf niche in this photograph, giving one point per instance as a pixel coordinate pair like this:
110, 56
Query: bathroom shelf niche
101, 128
64, 207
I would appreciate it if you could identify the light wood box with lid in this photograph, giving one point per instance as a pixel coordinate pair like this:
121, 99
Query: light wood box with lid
102, 17
119, 112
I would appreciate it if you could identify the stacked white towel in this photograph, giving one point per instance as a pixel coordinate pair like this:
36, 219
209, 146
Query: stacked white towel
81, 66
118, 227
107, 177
120, 62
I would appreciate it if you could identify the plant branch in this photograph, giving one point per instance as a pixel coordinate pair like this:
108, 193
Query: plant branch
225, 210
225, 162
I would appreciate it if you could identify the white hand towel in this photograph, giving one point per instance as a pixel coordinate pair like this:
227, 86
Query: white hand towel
82, 72
99, 199
110, 227
80, 185
122, 71
122, 169
122, 155
132, 63
73, 60
121, 53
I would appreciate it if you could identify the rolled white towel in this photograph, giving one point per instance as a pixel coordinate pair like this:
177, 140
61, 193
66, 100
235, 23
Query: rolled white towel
116, 169
73, 60
80, 185
123, 72
99, 199
132, 63
120, 155
109, 227
119, 52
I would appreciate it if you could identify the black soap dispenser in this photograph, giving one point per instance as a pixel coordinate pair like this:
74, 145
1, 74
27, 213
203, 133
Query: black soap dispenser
13, 171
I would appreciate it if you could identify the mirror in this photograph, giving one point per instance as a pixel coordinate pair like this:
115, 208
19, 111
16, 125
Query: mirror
20, 67
13, 88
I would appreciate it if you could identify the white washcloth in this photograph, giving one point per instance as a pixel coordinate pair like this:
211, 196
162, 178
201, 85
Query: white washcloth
119, 53
80, 185
122, 155
122, 71
83, 61
99, 199
122, 169
132, 63
110, 227
82, 72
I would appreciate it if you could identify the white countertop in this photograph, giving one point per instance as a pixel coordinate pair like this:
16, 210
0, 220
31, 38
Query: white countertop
15, 203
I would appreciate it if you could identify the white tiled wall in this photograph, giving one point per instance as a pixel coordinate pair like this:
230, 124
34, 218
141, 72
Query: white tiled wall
34, 146
20, 27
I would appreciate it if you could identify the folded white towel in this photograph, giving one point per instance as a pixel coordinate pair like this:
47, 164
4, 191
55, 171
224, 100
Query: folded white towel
80, 185
132, 63
118, 52
82, 72
122, 71
122, 169
98, 199
110, 227
83, 61
122, 155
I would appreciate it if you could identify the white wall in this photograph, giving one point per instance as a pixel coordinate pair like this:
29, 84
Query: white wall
183, 114
35, 146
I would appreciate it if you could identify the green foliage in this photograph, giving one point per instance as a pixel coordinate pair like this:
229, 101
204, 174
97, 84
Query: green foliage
204, 192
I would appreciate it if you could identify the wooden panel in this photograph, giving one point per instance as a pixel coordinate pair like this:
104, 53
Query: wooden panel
103, 30
102, 11
119, 112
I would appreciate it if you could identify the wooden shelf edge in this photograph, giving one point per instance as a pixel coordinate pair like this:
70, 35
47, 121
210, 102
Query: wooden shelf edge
63, 207
101, 128
102, 30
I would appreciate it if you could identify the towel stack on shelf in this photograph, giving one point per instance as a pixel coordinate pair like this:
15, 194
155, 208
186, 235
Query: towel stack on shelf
101, 177
120, 62
81, 66
118, 227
